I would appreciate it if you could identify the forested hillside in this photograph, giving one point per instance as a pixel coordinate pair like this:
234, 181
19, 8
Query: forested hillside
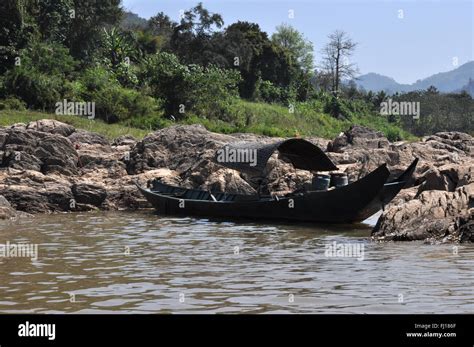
231, 77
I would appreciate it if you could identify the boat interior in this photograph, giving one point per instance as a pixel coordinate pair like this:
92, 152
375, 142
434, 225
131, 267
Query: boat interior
196, 194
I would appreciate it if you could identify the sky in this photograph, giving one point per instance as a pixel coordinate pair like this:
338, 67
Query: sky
406, 40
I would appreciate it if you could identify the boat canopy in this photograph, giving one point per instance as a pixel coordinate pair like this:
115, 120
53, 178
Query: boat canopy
252, 157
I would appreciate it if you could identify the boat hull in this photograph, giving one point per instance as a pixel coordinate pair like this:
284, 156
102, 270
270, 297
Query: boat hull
352, 203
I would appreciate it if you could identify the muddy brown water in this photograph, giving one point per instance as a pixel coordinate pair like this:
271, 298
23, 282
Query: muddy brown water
124, 262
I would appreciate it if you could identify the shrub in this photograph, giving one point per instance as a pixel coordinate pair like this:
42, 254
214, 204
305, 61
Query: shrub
393, 134
267, 92
48, 58
168, 80
338, 108
212, 91
12, 103
36, 89
155, 121
41, 79
96, 78
113, 102
189, 89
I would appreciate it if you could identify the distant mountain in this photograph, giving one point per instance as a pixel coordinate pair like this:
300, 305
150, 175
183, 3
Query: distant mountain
131, 20
376, 82
454, 80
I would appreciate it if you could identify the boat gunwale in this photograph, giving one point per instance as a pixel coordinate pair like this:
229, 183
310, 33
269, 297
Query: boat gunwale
306, 194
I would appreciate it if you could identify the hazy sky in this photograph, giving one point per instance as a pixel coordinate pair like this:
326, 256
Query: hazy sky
431, 37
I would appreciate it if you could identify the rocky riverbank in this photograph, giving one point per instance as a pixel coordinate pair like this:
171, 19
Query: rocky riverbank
47, 166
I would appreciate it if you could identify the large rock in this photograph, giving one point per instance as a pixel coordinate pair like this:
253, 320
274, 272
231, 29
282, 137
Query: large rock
358, 136
51, 126
33, 192
433, 215
87, 137
6, 210
17, 159
190, 150
447, 177
444, 182
3, 137
36, 150
227, 180
465, 227
124, 140
57, 153
91, 194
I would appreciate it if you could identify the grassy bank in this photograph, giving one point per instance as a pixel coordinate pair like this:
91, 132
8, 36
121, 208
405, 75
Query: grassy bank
307, 119
243, 116
110, 131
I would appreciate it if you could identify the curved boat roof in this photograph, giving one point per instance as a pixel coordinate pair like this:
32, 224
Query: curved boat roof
252, 157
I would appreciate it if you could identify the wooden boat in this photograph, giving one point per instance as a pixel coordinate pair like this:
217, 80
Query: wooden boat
347, 204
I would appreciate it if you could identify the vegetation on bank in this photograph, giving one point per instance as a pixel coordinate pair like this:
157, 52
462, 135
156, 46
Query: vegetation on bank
146, 75
307, 119
111, 131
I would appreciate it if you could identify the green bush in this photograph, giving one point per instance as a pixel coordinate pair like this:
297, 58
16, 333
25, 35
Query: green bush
212, 91
12, 103
41, 79
113, 102
267, 92
36, 89
188, 89
151, 122
96, 78
393, 134
49, 58
167, 79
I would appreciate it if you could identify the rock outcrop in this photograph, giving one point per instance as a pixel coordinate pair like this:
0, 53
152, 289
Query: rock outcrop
439, 207
8, 212
48, 166
435, 215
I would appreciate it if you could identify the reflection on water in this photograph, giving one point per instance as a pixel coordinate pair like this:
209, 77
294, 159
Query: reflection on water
143, 263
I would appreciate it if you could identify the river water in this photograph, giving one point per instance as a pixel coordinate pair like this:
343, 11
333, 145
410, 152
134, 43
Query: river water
123, 262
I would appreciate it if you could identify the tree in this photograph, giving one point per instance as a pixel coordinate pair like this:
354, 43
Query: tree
336, 56
54, 19
321, 80
432, 90
192, 39
189, 87
16, 29
161, 24
117, 46
75, 23
300, 48
87, 21
119, 49
248, 49
42, 78
242, 44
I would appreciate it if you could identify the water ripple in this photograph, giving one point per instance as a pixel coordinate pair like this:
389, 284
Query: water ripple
142, 263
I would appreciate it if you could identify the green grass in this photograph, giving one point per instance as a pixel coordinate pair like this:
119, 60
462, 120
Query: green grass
308, 119
111, 131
